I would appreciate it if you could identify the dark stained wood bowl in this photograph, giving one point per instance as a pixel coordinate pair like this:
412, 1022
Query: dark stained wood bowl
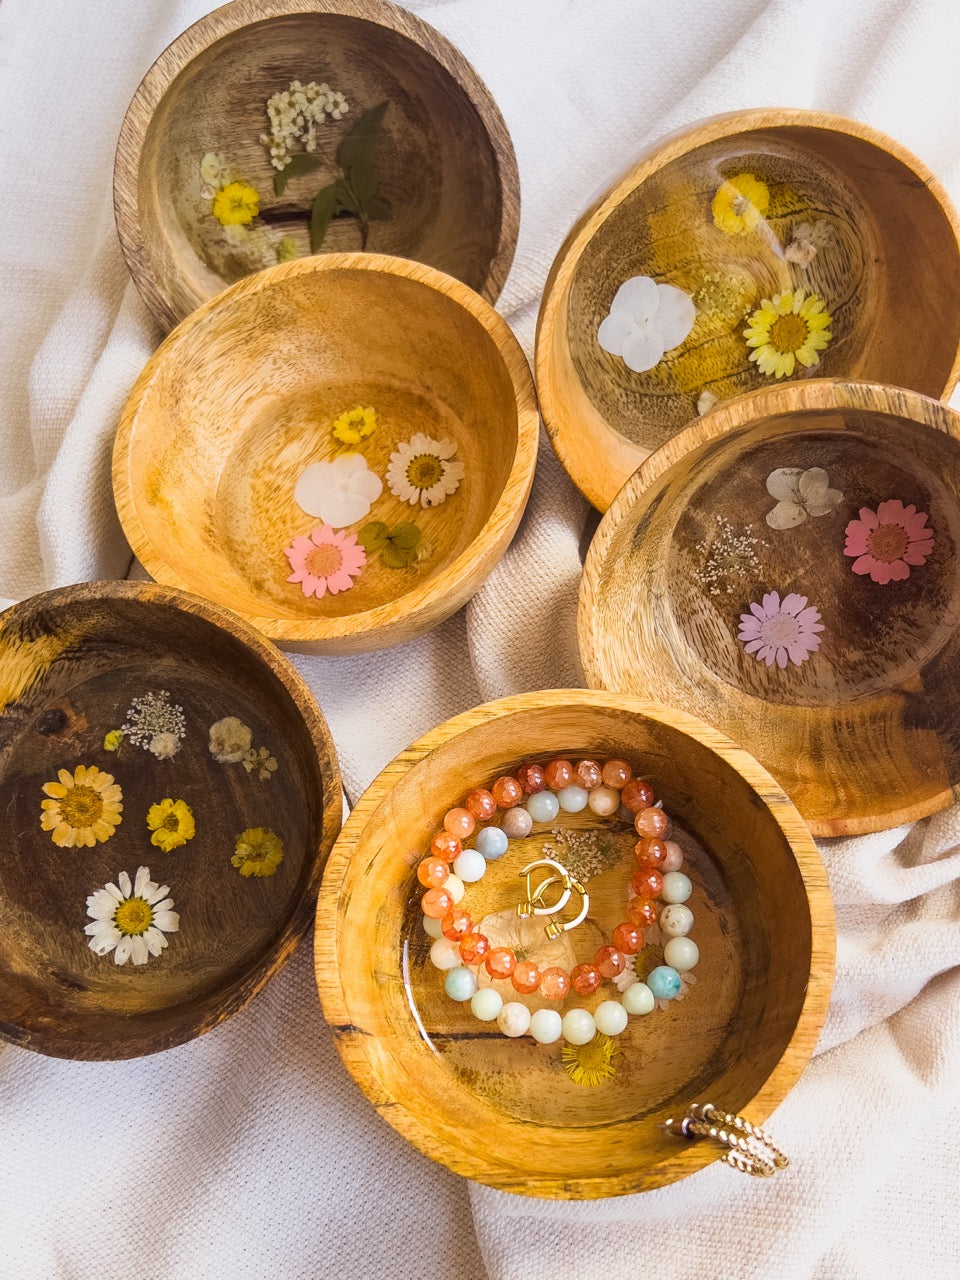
84, 810
852, 698
842, 213
445, 162
505, 1112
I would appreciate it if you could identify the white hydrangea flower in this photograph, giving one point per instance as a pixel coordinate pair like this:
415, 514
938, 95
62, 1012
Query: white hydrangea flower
800, 494
340, 492
646, 320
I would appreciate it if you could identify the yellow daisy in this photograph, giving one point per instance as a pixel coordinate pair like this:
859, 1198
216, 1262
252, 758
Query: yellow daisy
171, 822
790, 327
236, 204
83, 807
259, 852
740, 204
592, 1063
355, 425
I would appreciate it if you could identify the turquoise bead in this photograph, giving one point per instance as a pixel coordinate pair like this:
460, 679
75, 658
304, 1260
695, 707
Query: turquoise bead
461, 983
491, 842
543, 806
663, 981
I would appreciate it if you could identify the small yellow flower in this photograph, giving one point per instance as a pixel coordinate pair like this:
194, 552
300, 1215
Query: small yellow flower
287, 249
236, 204
740, 204
258, 852
789, 328
112, 740
355, 425
83, 808
592, 1063
171, 822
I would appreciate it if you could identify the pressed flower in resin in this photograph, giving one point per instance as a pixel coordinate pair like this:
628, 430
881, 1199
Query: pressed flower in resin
590, 1064
260, 759
326, 561
807, 241
171, 822
781, 631
230, 740
131, 919
423, 470
398, 547
156, 724
646, 320
258, 852
740, 204
236, 204
355, 425
82, 808
789, 329
886, 542
800, 493
340, 492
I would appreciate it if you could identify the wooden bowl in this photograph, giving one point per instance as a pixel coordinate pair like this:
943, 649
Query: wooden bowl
883, 236
240, 398
505, 1112
72, 663
444, 160
859, 724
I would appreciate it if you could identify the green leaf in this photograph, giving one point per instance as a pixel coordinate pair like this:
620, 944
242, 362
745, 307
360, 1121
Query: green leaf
405, 536
373, 535
362, 177
299, 165
359, 140
395, 557
377, 207
345, 200
324, 207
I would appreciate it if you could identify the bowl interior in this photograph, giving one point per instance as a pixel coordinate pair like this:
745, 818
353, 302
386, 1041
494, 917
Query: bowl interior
442, 211
72, 669
506, 1111
242, 401
854, 715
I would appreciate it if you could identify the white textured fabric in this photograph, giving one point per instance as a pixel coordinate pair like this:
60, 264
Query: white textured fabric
250, 1152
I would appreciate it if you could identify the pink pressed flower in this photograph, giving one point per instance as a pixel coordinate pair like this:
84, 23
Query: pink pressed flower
780, 631
888, 541
326, 561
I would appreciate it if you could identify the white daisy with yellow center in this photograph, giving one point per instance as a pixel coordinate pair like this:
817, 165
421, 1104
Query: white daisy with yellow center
131, 919
423, 470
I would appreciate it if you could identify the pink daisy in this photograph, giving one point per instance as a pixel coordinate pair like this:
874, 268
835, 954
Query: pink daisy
888, 541
780, 631
326, 561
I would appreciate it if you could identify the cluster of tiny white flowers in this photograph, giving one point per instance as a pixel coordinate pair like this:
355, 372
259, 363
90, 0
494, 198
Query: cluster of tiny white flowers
729, 557
156, 724
294, 115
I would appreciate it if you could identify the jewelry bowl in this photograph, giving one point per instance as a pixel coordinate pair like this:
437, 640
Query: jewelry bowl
444, 159
126, 679
849, 217
239, 401
855, 709
505, 1112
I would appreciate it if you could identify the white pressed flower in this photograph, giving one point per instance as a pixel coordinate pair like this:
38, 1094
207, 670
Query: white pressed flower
214, 170
423, 470
131, 919
646, 320
164, 745
230, 740
706, 401
800, 494
155, 723
340, 492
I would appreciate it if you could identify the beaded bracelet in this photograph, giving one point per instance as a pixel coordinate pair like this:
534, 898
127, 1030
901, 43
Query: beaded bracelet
458, 945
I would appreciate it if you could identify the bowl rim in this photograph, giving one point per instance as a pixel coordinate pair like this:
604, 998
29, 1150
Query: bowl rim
239, 991
417, 609
551, 320
353, 1043
725, 419
232, 17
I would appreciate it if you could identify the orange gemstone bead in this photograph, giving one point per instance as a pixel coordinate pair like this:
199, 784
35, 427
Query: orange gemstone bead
646, 883
652, 823
445, 846
650, 853
610, 961
616, 774
481, 804
432, 872
628, 938
588, 774
586, 979
500, 962
456, 923
459, 822
507, 792
638, 794
473, 947
436, 903
554, 983
530, 777
642, 911
526, 977
559, 774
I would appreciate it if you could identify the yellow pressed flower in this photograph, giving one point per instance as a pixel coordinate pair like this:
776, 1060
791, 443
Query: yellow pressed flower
236, 204
355, 425
592, 1063
171, 822
740, 203
790, 328
83, 807
112, 740
259, 852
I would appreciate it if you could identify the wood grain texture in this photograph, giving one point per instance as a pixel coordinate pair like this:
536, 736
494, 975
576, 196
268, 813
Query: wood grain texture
71, 663
890, 267
241, 397
504, 1112
862, 734
446, 161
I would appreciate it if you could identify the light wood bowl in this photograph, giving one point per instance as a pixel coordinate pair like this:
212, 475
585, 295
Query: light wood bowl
862, 733
890, 268
445, 162
505, 1112
71, 662
240, 398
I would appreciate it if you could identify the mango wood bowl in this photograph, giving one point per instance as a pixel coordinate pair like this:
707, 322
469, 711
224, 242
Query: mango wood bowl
242, 398
438, 177
740, 212
143, 728
505, 1111
786, 568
